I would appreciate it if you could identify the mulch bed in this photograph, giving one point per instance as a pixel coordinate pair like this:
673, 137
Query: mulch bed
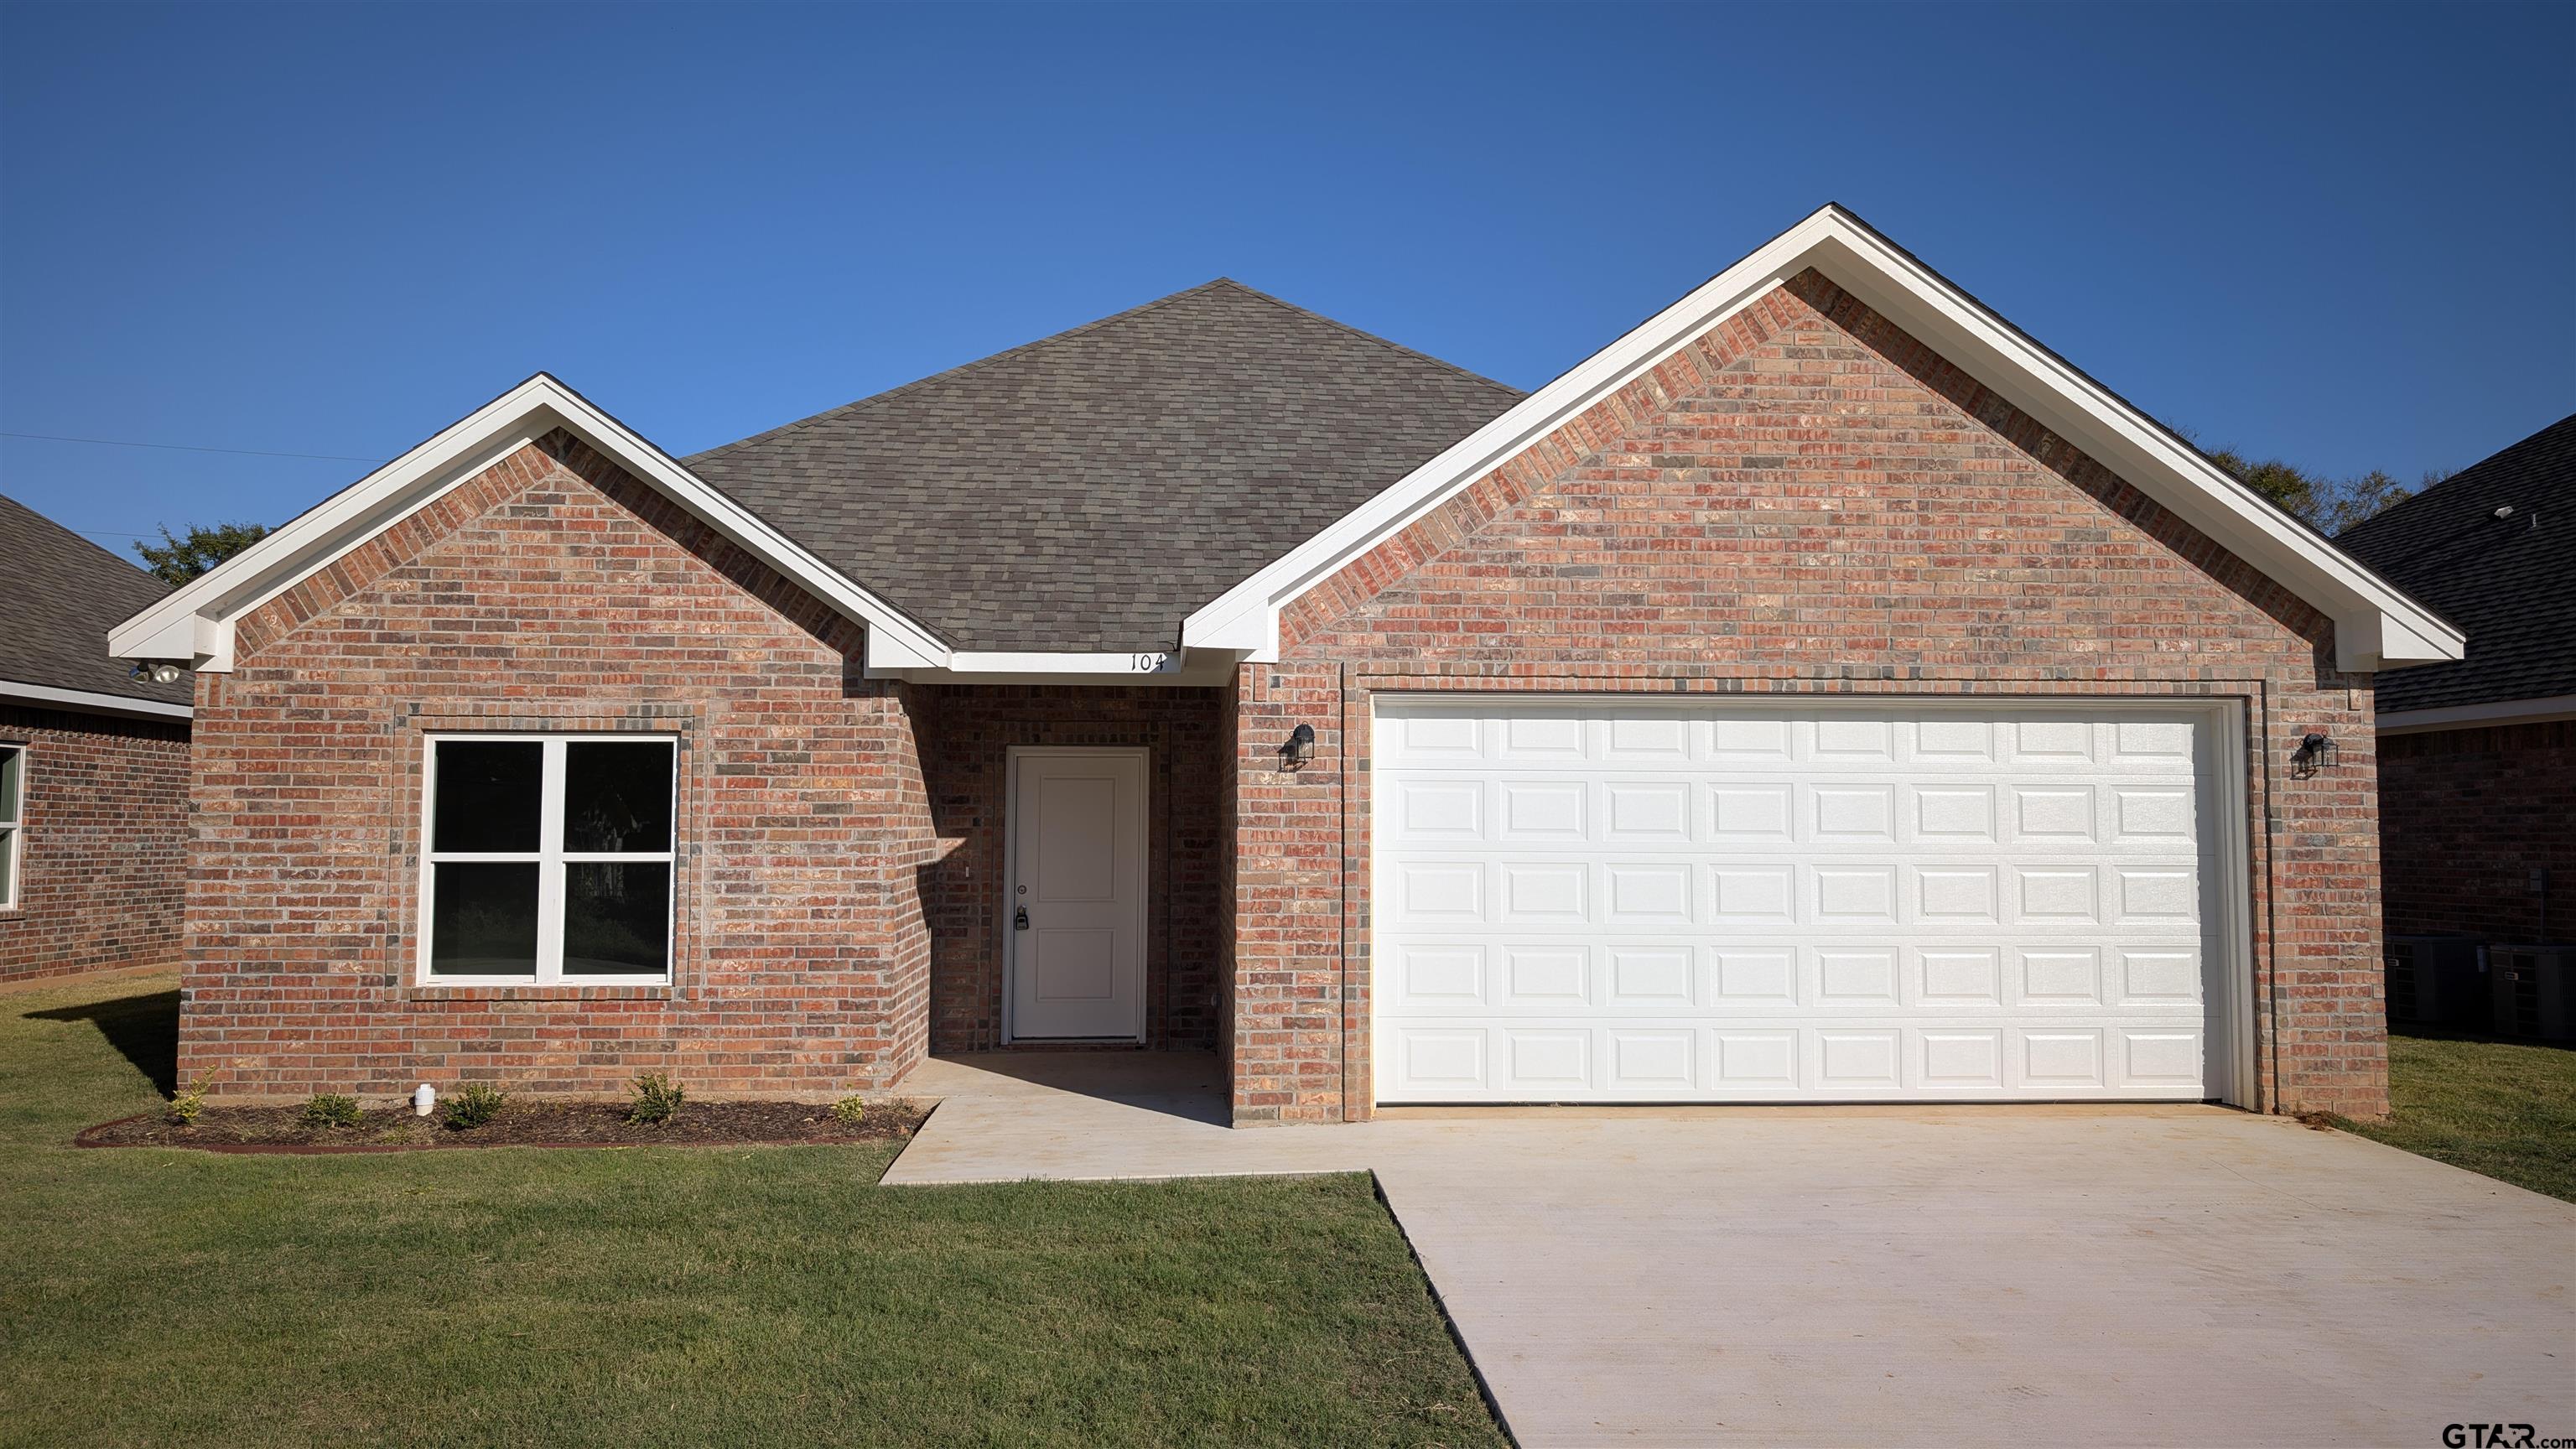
519, 1124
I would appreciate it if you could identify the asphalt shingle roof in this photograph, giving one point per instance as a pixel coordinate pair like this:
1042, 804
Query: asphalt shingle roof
2510, 582
1088, 491
59, 595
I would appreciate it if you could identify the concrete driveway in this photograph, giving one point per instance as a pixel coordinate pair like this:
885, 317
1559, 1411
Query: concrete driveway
1912, 1276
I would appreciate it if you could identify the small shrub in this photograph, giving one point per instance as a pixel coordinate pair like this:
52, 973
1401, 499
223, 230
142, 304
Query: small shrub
186, 1106
476, 1104
657, 1100
330, 1109
850, 1111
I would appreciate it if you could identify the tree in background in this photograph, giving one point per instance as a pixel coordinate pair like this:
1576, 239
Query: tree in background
176, 560
2328, 505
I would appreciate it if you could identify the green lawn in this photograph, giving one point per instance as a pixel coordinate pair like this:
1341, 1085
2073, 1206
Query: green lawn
634, 1297
2507, 1109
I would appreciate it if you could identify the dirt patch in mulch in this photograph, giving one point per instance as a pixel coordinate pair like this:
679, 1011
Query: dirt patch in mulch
519, 1124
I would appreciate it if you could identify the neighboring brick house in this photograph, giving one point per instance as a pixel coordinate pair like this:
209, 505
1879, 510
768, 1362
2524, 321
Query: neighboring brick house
2477, 758
93, 763
1822, 693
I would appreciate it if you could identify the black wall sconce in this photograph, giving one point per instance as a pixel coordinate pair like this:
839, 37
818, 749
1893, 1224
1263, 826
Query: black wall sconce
1299, 749
2315, 752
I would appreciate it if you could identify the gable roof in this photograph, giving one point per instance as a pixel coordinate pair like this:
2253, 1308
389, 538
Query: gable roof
63, 593
2510, 581
2376, 624
1087, 491
196, 623
1046, 513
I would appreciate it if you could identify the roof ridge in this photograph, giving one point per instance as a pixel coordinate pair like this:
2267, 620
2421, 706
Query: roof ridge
944, 374
1367, 336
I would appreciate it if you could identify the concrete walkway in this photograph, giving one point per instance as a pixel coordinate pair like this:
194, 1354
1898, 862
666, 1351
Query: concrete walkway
2174, 1275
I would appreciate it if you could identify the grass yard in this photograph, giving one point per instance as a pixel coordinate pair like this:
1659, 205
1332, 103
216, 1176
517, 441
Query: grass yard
2507, 1109
650, 1296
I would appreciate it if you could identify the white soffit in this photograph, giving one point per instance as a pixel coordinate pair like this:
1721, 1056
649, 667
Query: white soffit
92, 701
196, 622
2375, 623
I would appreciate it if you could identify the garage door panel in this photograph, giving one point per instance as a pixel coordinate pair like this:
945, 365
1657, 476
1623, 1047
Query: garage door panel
1588, 977
1755, 976
1437, 978
1751, 815
1644, 901
2160, 1059
2045, 742
1955, 816
2061, 1058
1653, 1061
1650, 814
1963, 978
1963, 1059
1856, 1061
1850, 978
1544, 737
1439, 892
1544, 812
1551, 980
1651, 977
1539, 1062
1544, 892
1439, 811
2057, 974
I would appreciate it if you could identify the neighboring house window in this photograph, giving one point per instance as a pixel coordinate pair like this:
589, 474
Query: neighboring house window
13, 819
549, 859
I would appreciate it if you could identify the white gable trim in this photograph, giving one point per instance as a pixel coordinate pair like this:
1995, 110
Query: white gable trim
2375, 624
196, 623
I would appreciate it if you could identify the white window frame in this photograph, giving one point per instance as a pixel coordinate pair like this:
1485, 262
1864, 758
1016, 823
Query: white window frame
549, 857
13, 845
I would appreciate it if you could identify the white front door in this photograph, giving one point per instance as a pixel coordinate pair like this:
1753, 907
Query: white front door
1075, 900
1732, 900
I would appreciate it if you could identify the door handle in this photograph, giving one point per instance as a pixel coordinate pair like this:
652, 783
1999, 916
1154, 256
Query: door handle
1020, 919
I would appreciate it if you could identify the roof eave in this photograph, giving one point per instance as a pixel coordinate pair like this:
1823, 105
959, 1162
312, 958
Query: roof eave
91, 701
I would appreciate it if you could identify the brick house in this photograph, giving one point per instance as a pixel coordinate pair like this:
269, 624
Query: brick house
1821, 693
2477, 758
93, 763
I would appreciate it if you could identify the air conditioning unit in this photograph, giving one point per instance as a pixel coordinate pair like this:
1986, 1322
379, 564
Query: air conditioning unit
2534, 991
2437, 981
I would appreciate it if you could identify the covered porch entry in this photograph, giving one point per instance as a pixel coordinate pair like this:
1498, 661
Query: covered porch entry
1073, 897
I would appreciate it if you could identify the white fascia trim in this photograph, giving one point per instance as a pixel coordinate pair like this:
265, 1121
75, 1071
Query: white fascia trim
2475, 716
94, 702
2376, 624
196, 623
1170, 667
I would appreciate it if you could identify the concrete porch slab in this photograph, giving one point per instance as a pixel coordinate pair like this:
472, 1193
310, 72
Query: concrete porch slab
1004, 1116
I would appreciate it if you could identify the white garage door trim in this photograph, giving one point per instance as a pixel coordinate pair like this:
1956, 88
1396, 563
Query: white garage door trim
1941, 1054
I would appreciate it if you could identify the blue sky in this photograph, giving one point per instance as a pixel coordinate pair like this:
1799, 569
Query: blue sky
2338, 234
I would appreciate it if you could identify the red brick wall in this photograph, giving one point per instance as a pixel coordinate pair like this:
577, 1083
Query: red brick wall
104, 860
554, 592
1804, 500
968, 732
2466, 816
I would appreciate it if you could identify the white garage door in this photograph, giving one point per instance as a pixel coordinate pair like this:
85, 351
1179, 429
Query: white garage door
1641, 902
